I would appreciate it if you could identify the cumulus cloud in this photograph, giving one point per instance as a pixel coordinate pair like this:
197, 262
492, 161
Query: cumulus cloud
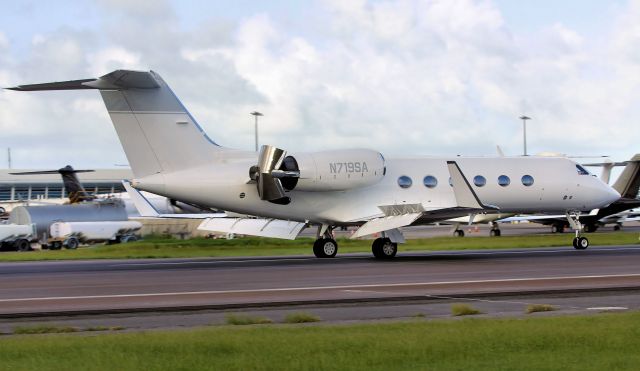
405, 77
4, 41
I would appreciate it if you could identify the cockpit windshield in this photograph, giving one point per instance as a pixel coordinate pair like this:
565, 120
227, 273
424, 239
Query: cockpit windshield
581, 170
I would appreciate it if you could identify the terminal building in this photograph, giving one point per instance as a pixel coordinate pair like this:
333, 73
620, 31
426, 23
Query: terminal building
16, 188
46, 189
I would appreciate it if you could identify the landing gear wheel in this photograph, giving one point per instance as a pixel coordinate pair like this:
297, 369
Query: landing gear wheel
557, 228
580, 243
617, 227
495, 233
56, 245
22, 245
458, 233
71, 244
383, 248
325, 248
126, 239
590, 228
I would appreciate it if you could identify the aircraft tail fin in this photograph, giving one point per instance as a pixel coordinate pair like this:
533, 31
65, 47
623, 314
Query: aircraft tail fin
157, 132
72, 184
628, 183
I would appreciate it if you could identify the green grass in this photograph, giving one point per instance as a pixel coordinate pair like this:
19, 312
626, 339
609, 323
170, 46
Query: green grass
301, 317
533, 308
55, 329
596, 342
243, 319
43, 329
253, 246
463, 310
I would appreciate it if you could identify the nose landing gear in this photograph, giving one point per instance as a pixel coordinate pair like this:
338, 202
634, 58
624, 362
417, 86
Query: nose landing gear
579, 242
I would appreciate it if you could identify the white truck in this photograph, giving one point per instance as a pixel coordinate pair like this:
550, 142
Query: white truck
17, 236
71, 234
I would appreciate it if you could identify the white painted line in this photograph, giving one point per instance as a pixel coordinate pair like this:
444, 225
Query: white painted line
345, 287
608, 308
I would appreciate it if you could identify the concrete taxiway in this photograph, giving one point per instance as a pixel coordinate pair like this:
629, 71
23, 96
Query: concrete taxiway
352, 287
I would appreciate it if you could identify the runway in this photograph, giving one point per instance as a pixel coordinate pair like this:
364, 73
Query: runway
125, 286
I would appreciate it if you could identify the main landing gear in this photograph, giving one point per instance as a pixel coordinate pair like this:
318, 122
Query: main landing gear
495, 230
579, 242
325, 248
456, 231
383, 248
325, 245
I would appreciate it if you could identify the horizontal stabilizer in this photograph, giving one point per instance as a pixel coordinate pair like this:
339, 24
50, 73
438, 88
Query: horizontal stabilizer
386, 223
116, 80
274, 228
65, 170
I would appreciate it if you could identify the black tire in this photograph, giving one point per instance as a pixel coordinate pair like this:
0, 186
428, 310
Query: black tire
495, 233
126, 239
72, 243
617, 227
583, 243
383, 248
325, 248
56, 245
22, 245
458, 233
590, 228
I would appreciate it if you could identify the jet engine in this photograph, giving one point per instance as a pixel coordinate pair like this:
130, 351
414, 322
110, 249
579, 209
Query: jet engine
339, 170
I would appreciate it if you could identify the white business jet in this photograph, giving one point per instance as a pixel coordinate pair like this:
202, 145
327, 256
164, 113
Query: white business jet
170, 155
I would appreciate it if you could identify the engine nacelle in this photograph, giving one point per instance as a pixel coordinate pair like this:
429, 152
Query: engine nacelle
334, 170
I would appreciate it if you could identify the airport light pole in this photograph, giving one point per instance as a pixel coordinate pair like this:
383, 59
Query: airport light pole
256, 114
524, 131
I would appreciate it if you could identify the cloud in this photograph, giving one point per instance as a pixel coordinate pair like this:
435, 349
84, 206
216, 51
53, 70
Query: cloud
405, 77
4, 41
112, 58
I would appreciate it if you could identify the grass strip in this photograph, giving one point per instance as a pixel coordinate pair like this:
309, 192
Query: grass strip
244, 319
595, 342
43, 329
533, 308
255, 246
301, 317
55, 329
463, 310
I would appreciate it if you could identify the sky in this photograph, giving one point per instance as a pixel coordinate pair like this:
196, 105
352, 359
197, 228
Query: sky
407, 78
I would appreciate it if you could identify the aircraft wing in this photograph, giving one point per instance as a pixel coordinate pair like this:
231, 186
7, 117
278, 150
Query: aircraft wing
397, 216
386, 223
260, 227
535, 218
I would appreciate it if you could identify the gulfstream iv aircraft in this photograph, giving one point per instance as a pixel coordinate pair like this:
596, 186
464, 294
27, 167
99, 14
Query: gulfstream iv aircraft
170, 155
